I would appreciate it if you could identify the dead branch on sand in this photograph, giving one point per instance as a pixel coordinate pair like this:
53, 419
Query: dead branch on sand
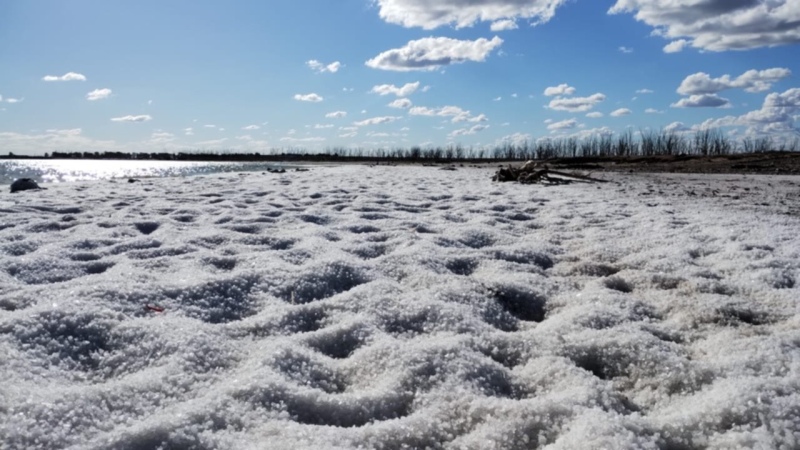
531, 173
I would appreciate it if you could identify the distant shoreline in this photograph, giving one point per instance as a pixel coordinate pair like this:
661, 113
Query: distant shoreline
784, 163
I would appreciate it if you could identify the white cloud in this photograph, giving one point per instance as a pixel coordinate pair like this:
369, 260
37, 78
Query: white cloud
561, 89
676, 127
457, 114
563, 125
676, 46
515, 139
336, 115
401, 91
576, 104
595, 115
751, 81
468, 131
464, 13
400, 103
140, 118
312, 97
209, 126
376, 121
98, 94
302, 140
621, 112
718, 25
69, 76
776, 116
13, 100
624, 49
644, 91
434, 52
325, 126
653, 111
702, 101
504, 25
319, 67
251, 127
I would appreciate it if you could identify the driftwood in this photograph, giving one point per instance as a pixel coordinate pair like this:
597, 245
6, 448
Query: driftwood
531, 173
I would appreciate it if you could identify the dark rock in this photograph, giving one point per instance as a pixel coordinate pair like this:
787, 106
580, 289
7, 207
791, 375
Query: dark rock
23, 184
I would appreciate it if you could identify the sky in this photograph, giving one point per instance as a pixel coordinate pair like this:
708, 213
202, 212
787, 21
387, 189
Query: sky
154, 76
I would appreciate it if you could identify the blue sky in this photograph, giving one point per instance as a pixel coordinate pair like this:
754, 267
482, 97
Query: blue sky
315, 74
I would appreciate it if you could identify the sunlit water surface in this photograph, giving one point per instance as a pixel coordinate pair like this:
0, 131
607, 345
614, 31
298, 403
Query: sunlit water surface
56, 171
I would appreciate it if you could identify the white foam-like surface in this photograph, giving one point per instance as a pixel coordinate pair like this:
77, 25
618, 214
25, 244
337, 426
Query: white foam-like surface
401, 307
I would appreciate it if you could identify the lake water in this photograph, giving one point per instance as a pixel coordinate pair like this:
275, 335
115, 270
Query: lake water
67, 170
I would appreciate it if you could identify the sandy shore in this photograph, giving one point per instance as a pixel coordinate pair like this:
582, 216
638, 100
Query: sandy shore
401, 307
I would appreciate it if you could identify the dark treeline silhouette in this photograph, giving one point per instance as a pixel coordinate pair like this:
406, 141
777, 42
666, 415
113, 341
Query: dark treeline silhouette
709, 142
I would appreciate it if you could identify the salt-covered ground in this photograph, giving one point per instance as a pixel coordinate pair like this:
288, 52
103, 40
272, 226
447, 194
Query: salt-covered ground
401, 307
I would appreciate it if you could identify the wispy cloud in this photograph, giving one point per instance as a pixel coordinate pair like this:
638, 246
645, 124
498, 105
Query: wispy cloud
140, 118
400, 91
376, 121
563, 125
319, 67
251, 127
576, 104
312, 97
336, 115
621, 112
624, 49
98, 94
400, 103
434, 52
69, 76
703, 101
504, 25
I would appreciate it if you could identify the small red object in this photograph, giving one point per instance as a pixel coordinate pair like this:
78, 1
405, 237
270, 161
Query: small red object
154, 308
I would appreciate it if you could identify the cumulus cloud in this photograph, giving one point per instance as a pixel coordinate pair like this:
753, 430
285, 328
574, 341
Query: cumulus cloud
69, 76
376, 121
458, 114
777, 115
504, 25
433, 52
13, 100
336, 115
676, 46
703, 101
402, 91
98, 94
515, 139
563, 125
401, 103
644, 91
468, 131
140, 118
319, 67
594, 115
576, 104
718, 25
653, 111
561, 89
251, 127
676, 127
621, 112
464, 13
312, 97
750, 81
